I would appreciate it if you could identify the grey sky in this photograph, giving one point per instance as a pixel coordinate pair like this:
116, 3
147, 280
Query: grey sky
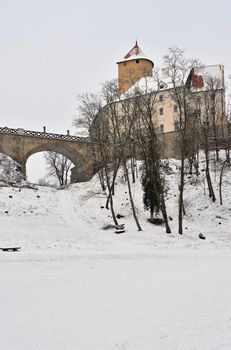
53, 50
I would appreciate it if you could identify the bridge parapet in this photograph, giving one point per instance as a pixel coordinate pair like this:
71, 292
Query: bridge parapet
44, 135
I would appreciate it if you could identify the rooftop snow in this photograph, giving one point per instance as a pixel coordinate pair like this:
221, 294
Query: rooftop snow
162, 81
134, 53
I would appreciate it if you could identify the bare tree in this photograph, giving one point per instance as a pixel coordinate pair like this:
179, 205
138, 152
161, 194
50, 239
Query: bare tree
206, 133
224, 164
58, 167
89, 108
228, 132
109, 137
213, 124
121, 118
178, 69
147, 136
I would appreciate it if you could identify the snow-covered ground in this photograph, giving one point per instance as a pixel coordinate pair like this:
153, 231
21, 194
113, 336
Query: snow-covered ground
74, 285
163, 300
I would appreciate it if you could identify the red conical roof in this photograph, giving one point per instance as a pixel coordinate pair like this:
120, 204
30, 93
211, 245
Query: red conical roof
134, 52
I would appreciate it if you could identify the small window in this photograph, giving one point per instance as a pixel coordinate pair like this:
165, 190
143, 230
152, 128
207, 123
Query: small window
161, 97
125, 63
175, 109
161, 127
137, 61
176, 125
161, 111
161, 86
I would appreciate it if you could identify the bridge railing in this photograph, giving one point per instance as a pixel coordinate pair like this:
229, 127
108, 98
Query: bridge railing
46, 135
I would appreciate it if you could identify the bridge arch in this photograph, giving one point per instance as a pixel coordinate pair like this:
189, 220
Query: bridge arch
78, 173
20, 144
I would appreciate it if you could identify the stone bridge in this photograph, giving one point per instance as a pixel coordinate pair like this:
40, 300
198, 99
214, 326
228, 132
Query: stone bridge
20, 144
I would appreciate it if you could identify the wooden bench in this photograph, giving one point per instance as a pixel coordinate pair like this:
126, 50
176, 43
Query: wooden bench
10, 249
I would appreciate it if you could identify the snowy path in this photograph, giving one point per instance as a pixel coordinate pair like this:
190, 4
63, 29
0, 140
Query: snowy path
165, 301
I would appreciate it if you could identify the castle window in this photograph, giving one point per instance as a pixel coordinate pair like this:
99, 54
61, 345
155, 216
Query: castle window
161, 97
161, 127
175, 109
137, 61
176, 125
162, 85
161, 111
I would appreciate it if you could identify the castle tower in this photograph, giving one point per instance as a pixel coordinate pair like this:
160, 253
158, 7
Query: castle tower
134, 66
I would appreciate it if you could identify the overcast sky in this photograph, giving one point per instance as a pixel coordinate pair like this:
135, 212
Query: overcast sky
53, 50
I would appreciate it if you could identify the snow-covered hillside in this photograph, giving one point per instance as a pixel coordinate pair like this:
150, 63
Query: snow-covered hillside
76, 284
76, 218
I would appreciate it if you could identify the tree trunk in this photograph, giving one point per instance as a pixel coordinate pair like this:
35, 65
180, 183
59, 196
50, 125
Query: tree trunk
181, 204
208, 178
165, 216
101, 180
130, 196
220, 182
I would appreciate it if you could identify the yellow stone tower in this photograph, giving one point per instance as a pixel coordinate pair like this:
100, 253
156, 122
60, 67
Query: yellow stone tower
134, 66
